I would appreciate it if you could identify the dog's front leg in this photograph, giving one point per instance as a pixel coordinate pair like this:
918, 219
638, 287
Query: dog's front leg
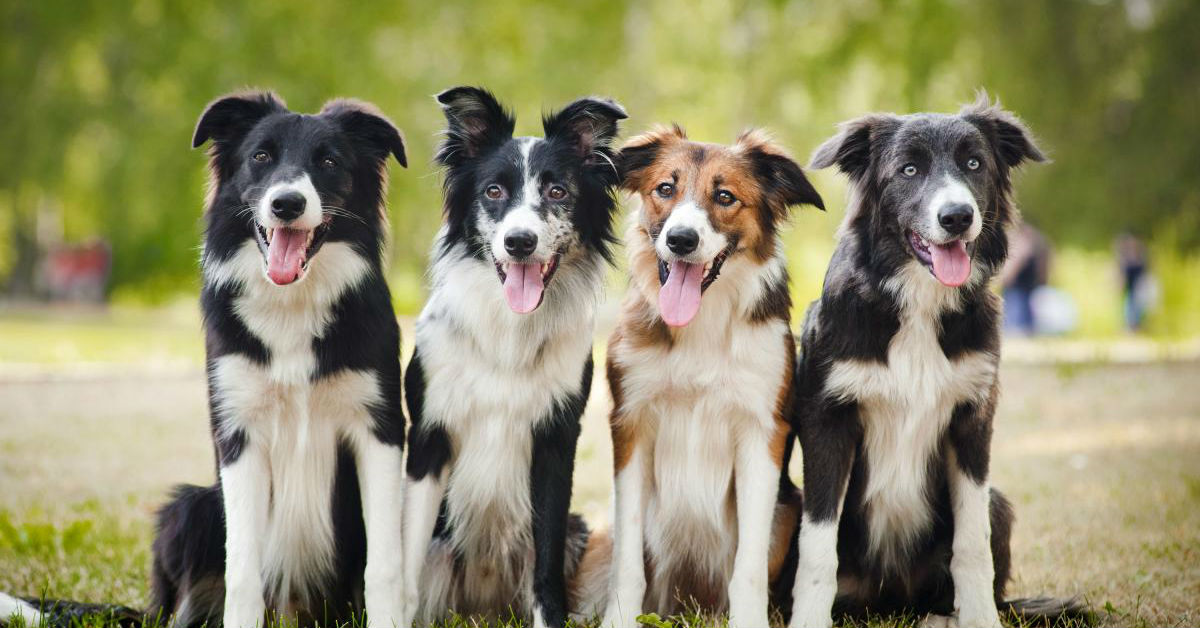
381, 474
971, 565
756, 480
627, 572
551, 471
828, 439
246, 492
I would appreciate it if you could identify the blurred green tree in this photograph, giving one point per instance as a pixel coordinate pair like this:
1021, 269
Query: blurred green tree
99, 98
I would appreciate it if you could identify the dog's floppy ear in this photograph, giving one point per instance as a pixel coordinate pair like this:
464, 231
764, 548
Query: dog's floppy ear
366, 124
590, 124
782, 179
639, 152
851, 148
1010, 138
475, 121
229, 118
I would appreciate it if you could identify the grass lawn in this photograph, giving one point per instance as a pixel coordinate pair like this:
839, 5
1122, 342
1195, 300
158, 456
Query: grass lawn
1102, 462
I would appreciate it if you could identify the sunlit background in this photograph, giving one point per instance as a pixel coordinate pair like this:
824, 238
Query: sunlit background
102, 402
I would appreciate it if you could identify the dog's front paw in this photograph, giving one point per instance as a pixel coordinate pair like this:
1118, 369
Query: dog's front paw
244, 610
983, 616
937, 621
384, 597
812, 619
618, 618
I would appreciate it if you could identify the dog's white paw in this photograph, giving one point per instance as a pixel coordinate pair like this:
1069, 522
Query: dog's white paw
984, 617
937, 621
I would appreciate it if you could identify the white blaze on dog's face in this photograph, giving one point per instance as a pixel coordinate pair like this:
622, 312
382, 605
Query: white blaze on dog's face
705, 203
937, 181
528, 204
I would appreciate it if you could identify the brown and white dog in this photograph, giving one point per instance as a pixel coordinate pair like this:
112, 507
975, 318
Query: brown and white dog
700, 370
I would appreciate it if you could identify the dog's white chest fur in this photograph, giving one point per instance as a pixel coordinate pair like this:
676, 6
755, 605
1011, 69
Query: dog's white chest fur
905, 407
718, 382
295, 419
491, 376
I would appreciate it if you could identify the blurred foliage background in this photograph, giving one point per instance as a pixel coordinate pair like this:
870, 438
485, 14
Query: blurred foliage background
99, 99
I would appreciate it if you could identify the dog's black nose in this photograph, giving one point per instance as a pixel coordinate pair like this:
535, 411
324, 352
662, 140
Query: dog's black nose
288, 206
520, 243
682, 240
956, 219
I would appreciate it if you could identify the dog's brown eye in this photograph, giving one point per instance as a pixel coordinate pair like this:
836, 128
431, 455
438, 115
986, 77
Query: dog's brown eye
909, 170
725, 198
556, 193
494, 192
262, 157
665, 190
972, 164
328, 162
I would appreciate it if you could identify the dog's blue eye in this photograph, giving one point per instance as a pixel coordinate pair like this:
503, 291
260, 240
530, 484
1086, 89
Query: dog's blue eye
665, 190
972, 164
909, 170
261, 157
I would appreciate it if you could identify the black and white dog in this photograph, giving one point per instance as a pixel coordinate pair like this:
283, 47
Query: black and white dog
503, 361
897, 382
303, 373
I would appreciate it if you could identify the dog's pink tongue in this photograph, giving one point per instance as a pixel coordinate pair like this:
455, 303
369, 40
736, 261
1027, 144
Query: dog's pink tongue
679, 298
285, 255
951, 264
523, 287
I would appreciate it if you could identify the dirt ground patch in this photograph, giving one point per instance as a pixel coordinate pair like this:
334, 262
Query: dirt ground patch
1101, 461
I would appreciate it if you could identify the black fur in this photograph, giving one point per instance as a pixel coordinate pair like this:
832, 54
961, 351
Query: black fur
189, 549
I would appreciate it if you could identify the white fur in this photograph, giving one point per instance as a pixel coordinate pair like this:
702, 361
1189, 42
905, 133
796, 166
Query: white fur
952, 192
277, 493
514, 367
627, 575
905, 407
756, 477
308, 220
971, 564
816, 574
382, 481
11, 608
421, 501
707, 405
688, 214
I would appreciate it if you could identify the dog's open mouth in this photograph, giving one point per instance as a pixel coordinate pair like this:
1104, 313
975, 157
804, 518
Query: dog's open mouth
525, 282
949, 262
682, 285
287, 251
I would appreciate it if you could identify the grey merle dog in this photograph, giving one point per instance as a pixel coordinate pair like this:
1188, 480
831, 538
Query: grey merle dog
897, 378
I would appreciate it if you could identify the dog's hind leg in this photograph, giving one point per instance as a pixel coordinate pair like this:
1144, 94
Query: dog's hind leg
186, 585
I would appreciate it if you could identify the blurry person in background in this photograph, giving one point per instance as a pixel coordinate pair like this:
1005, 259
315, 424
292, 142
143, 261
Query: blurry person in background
1138, 289
1027, 269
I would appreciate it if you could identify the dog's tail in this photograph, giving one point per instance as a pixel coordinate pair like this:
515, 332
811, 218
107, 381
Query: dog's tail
34, 612
1049, 611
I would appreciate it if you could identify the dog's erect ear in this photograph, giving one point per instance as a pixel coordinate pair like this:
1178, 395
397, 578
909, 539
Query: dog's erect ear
475, 121
367, 125
1012, 141
782, 179
590, 124
229, 118
851, 148
639, 152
